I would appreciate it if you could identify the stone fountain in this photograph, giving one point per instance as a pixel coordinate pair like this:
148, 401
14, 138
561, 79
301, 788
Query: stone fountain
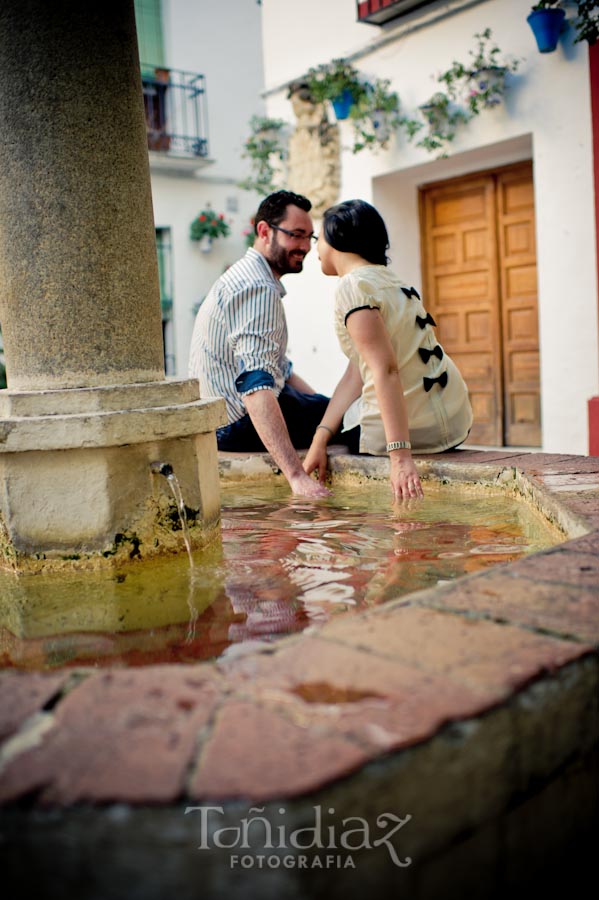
87, 408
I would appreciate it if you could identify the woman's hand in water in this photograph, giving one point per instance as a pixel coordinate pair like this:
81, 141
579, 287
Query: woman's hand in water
316, 458
405, 481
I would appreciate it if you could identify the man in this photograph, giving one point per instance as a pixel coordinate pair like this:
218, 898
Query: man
239, 344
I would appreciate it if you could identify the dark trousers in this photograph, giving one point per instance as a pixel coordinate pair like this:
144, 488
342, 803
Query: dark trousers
302, 413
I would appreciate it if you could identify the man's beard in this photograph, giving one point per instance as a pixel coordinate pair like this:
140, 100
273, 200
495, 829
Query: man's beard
283, 261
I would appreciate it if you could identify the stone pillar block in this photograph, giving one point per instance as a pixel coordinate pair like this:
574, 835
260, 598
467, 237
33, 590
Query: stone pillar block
78, 486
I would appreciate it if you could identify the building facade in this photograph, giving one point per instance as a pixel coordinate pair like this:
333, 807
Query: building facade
499, 233
202, 82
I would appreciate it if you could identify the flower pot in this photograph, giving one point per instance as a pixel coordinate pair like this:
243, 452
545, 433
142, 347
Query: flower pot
268, 135
380, 125
490, 81
433, 116
205, 243
546, 25
343, 103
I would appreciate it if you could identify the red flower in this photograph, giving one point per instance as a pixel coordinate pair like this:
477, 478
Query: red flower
202, 218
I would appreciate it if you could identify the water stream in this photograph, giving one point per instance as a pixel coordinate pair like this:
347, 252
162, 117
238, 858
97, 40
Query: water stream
175, 487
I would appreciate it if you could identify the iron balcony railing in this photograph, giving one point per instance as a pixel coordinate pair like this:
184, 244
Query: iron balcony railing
175, 107
377, 12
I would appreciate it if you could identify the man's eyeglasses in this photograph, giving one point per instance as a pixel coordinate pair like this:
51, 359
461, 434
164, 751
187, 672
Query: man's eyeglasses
296, 235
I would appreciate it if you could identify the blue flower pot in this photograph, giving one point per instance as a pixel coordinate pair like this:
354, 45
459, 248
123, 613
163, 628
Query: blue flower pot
546, 25
343, 103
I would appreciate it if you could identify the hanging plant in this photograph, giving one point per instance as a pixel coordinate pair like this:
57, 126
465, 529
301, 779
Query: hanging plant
207, 226
487, 74
264, 145
481, 82
375, 116
470, 87
587, 22
374, 110
443, 118
339, 82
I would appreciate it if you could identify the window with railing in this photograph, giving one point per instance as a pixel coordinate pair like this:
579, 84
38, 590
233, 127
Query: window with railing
377, 12
175, 108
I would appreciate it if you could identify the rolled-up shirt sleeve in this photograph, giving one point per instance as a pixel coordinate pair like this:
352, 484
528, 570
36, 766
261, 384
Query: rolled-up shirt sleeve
256, 380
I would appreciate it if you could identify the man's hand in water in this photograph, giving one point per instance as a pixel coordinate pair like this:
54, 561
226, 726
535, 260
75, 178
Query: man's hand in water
304, 486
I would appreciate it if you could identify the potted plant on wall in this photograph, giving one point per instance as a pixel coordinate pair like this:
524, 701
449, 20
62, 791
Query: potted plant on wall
265, 147
339, 82
587, 22
375, 116
207, 226
442, 118
470, 87
487, 73
480, 83
546, 19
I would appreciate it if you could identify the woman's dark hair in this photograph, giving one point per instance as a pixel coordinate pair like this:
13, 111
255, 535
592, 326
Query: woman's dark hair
273, 208
356, 227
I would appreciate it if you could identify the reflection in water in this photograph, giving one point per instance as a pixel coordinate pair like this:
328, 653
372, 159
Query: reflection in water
281, 564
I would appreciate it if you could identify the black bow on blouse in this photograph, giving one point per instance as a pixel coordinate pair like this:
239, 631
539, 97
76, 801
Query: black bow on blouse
425, 320
411, 292
425, 354
428, 382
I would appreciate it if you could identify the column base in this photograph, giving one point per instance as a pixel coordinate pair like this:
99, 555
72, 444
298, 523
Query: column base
79, 489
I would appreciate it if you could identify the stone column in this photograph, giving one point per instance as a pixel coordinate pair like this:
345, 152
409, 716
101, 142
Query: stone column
87, 410
79, 295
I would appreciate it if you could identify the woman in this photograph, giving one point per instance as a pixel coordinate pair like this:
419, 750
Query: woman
400, 387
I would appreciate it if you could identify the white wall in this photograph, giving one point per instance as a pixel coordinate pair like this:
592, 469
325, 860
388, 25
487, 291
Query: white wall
176, 203
223, 42
546, 118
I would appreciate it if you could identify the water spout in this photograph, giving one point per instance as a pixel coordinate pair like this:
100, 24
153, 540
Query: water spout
164, 468
161, 468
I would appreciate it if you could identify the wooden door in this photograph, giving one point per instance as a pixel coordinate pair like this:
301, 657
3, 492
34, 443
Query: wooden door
479, 279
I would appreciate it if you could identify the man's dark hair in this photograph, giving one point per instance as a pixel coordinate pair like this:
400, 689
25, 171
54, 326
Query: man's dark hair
273, 208
357, 227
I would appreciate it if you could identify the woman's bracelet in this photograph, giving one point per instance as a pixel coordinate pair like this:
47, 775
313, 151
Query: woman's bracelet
326, 428
398, 445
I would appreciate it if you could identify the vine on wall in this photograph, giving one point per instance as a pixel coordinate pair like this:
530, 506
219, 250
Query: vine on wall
466, 89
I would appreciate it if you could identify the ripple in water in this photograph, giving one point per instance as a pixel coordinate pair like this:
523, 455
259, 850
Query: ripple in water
281, 565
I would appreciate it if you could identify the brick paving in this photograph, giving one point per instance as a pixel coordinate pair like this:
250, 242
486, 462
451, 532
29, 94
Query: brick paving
317, 706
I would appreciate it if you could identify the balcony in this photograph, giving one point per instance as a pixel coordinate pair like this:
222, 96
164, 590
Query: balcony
378, 12
176, 120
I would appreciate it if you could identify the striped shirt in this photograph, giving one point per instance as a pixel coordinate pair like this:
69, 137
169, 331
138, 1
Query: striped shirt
241, 327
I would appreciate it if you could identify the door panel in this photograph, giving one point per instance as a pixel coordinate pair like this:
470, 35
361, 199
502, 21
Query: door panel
479, 277
461, 291
518, 274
